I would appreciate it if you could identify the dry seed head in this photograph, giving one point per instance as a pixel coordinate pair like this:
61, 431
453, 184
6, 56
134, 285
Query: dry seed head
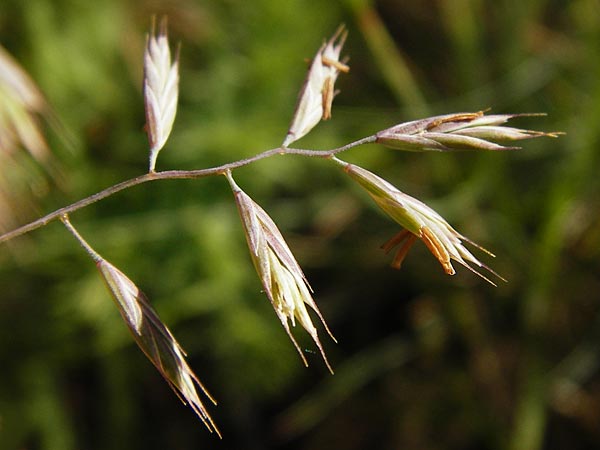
460, 131
282, 278
419, 221
161, 89
317, 93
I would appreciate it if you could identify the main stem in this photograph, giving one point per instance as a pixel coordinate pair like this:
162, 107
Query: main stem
171, 175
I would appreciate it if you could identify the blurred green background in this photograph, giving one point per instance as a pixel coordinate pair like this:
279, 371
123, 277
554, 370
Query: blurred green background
424, 361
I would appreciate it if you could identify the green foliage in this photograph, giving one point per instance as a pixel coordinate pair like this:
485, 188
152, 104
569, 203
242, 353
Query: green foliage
423, 360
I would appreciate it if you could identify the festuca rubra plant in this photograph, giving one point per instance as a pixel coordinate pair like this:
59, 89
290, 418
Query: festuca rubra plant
281, 276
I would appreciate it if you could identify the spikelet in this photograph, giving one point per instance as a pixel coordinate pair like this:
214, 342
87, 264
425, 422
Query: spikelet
458, 131
161, 89
316, 95
150, 333
419, 222
155, 340
282, 278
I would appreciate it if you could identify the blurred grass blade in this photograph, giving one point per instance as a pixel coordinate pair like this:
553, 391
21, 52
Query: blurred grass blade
363, 368
21, 104
388, 58
20, 100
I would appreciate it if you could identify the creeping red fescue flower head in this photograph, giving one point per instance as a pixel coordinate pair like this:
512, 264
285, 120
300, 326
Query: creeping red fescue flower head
155, 340
161, 90
458, 131
282, 278
419, 222
150, 333
316, 96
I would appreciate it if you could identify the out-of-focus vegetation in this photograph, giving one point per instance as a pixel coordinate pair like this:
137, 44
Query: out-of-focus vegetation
424, 361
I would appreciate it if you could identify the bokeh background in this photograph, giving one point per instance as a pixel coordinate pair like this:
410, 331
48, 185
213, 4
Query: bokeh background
424, 361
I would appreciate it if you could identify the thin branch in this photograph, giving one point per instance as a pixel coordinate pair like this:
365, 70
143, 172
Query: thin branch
87, 247
171, 175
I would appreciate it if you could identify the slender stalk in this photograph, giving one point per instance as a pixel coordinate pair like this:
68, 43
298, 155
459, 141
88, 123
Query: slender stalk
87, 247
172, 175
